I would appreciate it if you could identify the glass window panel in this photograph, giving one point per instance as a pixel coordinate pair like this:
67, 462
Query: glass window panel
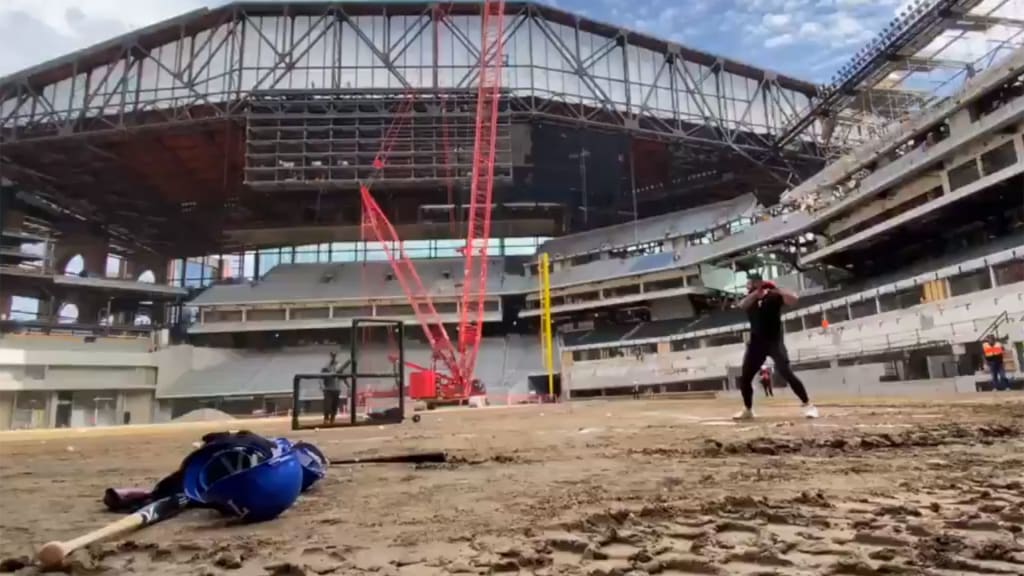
520, 250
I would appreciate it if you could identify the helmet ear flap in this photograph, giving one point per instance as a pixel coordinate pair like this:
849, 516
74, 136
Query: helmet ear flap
314, 464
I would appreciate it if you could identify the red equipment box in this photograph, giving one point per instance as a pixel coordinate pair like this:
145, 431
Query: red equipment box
423, 385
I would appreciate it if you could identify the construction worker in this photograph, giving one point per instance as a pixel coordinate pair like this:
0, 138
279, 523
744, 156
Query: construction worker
993, 351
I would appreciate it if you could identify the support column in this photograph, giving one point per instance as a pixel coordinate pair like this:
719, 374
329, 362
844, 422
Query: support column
51, 410
566, 374
5, 307
6, 409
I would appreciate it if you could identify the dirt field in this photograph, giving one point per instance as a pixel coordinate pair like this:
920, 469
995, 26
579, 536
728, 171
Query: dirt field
624, 487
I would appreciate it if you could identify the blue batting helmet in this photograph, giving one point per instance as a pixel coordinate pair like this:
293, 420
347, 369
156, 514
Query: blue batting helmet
217, 460
261, 492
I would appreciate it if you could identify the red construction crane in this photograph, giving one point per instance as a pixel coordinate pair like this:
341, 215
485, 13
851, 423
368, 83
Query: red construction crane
478, 224
460, 362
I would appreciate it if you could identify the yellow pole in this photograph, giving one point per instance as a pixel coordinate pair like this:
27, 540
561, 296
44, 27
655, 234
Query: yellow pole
546, 335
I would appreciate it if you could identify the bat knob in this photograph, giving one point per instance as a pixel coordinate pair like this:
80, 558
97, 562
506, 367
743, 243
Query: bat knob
51, 555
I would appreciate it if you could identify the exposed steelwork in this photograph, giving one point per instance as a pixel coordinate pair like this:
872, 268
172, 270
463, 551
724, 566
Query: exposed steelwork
924, 55
205, 65
213, 121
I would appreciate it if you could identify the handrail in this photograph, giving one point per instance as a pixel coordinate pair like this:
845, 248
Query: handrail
994, 326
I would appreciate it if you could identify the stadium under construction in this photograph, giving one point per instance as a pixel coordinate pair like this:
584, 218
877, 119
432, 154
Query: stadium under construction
184, 208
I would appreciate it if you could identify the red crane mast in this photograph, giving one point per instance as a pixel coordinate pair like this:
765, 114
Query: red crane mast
478, 224
460, 362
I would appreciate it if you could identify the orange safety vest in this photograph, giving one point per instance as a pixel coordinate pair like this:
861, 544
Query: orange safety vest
992, 350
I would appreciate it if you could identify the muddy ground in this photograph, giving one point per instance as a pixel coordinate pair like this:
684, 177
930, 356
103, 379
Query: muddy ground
625, 487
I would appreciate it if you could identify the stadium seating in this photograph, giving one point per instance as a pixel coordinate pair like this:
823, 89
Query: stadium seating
957, 319
656, 229
748, 238
248, 373
896, 133
943, 266
348, 281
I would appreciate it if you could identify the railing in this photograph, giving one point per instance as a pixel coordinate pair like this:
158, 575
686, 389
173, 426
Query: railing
42, 329
943, 334
994, 326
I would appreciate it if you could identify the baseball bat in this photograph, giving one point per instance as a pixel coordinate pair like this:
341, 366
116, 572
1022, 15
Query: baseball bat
420, 458
53, 554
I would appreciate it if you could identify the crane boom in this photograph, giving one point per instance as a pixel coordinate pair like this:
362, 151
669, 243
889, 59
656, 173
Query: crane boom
409, 279
478, 233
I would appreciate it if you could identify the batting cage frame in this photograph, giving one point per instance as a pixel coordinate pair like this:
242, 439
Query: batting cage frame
357, 377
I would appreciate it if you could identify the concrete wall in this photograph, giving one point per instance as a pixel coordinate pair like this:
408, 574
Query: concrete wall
97, 378
825, 388
79, 357
49, 377
122, 373
140, 404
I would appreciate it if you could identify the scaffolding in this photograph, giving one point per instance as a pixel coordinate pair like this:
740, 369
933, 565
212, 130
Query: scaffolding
331, 139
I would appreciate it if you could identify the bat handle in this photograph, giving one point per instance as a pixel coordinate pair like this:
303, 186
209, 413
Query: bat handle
53, 554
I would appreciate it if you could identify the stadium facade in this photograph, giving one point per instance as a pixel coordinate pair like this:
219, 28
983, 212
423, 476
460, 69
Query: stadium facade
181, 209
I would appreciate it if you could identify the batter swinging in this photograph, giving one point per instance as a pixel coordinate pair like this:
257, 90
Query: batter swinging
763, 303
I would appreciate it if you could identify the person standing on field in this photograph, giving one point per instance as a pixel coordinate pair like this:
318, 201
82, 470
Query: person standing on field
766, 381
763, 304
993, 350
331, 389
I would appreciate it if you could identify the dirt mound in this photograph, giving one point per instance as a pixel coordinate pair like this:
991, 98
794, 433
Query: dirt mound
204, 415
924, 437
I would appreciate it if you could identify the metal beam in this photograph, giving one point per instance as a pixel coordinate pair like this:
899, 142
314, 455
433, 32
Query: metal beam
979, 23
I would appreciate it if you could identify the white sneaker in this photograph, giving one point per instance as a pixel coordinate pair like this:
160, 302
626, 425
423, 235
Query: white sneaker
745, 414
810, 411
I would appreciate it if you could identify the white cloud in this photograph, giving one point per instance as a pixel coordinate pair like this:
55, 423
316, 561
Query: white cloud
66, 16
776, 20
811, 30
780, 40
33, 31
848, 29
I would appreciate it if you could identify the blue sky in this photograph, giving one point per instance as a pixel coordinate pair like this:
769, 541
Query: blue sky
805, 38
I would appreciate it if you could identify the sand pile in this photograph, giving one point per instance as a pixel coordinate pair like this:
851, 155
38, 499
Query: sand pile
204, 415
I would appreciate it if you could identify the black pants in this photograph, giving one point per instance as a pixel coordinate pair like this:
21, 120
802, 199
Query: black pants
331, 400
998, 372
767, 385
753, 359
